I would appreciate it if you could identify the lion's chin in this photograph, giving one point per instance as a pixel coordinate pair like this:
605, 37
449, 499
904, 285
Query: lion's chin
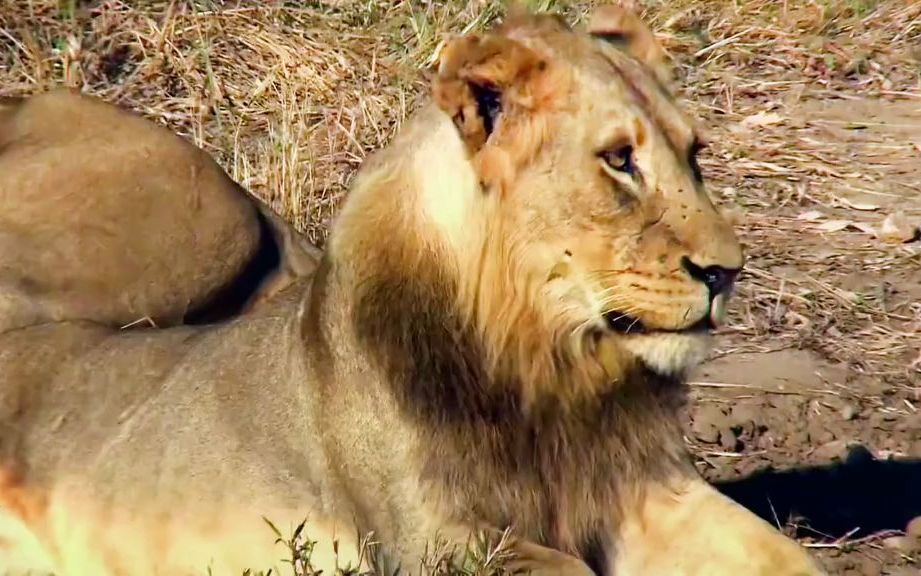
670, 354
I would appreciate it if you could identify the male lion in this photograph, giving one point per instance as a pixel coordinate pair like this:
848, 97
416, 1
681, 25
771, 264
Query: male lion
109, 217
496, 336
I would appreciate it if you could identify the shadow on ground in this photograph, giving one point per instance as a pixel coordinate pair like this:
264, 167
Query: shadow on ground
859, 493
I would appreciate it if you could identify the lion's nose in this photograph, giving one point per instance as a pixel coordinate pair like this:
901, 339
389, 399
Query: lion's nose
717, 279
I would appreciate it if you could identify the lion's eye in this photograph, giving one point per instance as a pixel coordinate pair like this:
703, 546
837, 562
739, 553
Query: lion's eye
620, 159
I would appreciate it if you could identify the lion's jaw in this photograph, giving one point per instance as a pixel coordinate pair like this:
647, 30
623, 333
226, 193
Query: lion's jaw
669, 354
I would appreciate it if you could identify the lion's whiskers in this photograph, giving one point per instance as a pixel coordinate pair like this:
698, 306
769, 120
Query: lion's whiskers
610, 303
603, 274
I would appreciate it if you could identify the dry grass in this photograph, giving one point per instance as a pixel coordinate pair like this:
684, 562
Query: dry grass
291, 96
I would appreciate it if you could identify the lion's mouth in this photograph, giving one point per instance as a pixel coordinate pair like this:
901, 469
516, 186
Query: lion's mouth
626, 324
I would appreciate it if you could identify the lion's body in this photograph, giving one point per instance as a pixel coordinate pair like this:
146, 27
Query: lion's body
106, 216
154, 390
448, 368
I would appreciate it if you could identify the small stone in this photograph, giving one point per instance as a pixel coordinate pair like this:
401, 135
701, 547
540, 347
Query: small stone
745, 419
848, 412
830, 451
707, 433
870, 567
910, 423
707, 422
914, 527
728, 440
765, 442
900, 543
824, 436
818, 432
797, 438
743, 413
877, 421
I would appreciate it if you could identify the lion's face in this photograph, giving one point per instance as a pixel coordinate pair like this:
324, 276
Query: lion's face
614, 213
608, 217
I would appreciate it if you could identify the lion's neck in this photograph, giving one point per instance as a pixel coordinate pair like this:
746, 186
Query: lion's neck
553, 472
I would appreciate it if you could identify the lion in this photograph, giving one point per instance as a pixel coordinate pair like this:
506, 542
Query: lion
106, 216
496, 338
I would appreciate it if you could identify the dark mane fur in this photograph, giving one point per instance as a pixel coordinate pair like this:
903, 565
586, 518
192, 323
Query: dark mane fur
556, 476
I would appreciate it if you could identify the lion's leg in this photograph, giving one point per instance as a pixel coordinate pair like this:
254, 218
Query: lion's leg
693, 530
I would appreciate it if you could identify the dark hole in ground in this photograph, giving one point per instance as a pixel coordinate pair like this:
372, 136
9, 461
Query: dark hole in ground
117, 63
859, 493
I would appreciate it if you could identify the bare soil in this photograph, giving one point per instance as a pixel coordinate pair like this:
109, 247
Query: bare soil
800, 423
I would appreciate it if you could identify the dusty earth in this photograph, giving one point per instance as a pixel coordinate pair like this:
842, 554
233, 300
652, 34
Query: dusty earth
815, 423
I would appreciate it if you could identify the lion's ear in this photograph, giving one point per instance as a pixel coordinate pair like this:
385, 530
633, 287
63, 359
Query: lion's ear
475, 81
622, 27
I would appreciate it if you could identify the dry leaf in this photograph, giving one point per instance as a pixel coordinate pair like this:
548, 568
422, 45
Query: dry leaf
859, 206
762, 119
897, 229
865, 228
852, 297
834, 225
811, 216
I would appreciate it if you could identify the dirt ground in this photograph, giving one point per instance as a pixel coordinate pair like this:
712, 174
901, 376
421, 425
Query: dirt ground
797, 418
809, 411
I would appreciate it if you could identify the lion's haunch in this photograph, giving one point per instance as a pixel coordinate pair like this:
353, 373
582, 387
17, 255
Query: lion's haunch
111, 218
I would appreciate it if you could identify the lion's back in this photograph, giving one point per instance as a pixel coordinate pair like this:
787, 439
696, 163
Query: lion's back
77, 396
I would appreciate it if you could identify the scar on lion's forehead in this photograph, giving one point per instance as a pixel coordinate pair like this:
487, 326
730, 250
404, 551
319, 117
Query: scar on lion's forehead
551, 35
655, 103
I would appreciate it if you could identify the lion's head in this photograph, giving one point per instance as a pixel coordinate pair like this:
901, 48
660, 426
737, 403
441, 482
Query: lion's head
558, 184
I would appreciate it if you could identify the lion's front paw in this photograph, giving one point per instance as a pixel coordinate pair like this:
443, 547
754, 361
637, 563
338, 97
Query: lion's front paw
562, 566
530, 558
696, 531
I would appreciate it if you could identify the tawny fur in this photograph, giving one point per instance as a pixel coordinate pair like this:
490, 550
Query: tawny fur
106, 216
448, 369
